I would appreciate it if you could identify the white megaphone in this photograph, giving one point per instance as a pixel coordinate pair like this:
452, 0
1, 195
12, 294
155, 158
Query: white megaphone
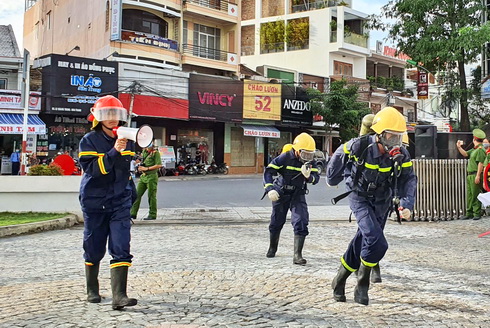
143, 135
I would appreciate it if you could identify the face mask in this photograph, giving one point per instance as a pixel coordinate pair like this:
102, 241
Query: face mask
486, 145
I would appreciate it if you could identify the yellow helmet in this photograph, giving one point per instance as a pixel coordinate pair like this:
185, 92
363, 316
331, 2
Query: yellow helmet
390, 119
304, 141
286, 148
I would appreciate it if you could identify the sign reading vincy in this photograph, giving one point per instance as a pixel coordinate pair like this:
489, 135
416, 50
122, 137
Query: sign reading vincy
215, 99
72, 85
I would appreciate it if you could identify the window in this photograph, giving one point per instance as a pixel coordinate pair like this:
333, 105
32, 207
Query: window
341, 68
207, 41
3, 84
145, 22
48, 20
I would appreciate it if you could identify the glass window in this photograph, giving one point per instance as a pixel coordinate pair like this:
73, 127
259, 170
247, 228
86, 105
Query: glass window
341, 68
207, 41
145, 22
3, 83
195, 145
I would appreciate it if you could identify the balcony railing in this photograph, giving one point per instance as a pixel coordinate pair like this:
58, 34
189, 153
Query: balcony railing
220, 5
314, 5
268, 48
298, 45
356, 39
149, 40
248, 50
203, 52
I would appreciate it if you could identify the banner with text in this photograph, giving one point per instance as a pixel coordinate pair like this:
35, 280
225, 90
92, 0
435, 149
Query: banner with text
261, 101
296, 108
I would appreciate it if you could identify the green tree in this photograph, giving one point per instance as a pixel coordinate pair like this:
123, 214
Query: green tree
340, 108
440, 34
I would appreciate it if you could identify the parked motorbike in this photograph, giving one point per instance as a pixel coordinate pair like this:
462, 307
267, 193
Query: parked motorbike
222, 168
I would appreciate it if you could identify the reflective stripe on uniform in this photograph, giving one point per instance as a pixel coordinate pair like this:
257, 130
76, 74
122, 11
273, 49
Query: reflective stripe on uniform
346, 265
267, 185
100, 161
368, 264
407, 164
274, 166
376, 167
127, 152
120, 264
87, 153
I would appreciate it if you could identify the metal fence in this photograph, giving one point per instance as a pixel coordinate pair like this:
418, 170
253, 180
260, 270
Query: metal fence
441, 189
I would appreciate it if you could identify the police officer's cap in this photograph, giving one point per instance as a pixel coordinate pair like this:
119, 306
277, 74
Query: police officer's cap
477, 133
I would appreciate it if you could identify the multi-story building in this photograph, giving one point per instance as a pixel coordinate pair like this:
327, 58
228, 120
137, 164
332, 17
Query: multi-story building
11, 106
156, 44
485, 58
307, 43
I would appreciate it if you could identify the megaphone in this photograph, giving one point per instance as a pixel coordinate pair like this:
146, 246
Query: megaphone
143, 135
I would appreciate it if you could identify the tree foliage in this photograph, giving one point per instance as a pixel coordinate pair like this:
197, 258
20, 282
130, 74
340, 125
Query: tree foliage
340, 108
440, 34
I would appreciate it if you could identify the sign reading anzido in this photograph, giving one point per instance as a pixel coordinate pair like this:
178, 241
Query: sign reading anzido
261, 101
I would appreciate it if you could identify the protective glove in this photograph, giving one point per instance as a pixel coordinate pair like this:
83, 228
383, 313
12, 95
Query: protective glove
306, 170
273, 195
405, 213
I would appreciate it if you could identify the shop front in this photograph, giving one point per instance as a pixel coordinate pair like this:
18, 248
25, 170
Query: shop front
12, 126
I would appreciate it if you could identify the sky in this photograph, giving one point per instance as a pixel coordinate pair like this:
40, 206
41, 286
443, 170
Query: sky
12, 12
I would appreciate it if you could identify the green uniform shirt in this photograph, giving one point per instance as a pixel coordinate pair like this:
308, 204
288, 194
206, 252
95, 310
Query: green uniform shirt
150, 159
475, 155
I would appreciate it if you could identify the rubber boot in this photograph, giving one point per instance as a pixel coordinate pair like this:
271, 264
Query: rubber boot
299, 242
338, 284
361, 290
91, 274
119, 281
376, 274
274, 242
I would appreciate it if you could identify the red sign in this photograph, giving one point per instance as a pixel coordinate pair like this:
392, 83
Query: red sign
157, 106
391, 52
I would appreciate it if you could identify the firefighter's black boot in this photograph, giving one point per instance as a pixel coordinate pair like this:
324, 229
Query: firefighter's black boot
361, 290
299, 242
376, 274
274, 242
338, 283
119, 281
91, 274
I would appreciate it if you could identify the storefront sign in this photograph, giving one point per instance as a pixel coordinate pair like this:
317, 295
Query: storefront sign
18, 129
261, 101
116, 14
422, 85
11, 99
151, 106
73, 84
261, 131
215, 99
296, 107
149, 40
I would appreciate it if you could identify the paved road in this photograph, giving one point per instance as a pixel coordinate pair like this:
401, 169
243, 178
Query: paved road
228, 191
217, 275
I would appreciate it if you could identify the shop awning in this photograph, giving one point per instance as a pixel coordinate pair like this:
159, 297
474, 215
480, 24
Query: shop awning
261, 131
13, 124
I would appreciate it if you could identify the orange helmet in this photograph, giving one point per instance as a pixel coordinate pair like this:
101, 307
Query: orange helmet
107, 108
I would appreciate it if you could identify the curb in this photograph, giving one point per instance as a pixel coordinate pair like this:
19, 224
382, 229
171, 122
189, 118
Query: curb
22, 229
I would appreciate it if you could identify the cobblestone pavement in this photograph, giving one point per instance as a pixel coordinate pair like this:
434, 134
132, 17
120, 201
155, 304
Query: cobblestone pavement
435, 274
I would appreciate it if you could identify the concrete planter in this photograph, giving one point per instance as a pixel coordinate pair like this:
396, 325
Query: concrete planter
40, 194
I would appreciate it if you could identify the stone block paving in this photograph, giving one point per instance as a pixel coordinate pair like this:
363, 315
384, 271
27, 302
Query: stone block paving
435, 274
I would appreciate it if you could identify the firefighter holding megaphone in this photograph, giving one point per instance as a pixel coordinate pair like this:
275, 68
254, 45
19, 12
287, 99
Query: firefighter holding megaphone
106, 195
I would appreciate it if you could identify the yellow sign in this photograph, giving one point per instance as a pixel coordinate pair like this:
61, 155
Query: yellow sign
261, 101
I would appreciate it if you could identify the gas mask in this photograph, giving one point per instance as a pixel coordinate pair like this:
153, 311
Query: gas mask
306, 155
392, 142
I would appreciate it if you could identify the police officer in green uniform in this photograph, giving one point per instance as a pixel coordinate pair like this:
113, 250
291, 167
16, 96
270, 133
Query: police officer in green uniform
474, 170
149, 166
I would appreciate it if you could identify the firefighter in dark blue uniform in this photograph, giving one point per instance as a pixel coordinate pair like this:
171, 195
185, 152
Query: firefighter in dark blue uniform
371, 197
288, 190
106, 193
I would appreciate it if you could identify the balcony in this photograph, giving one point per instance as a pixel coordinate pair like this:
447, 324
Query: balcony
218, 10
209, 53
356, 39
313, 5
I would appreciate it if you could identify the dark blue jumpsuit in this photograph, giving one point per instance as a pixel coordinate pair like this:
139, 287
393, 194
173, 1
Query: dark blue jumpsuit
371, 206
291, 186
106, 193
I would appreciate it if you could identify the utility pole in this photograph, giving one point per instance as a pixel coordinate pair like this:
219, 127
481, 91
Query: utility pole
134, 88
25, 93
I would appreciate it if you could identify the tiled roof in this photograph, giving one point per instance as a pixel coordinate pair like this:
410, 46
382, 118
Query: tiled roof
8, 44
